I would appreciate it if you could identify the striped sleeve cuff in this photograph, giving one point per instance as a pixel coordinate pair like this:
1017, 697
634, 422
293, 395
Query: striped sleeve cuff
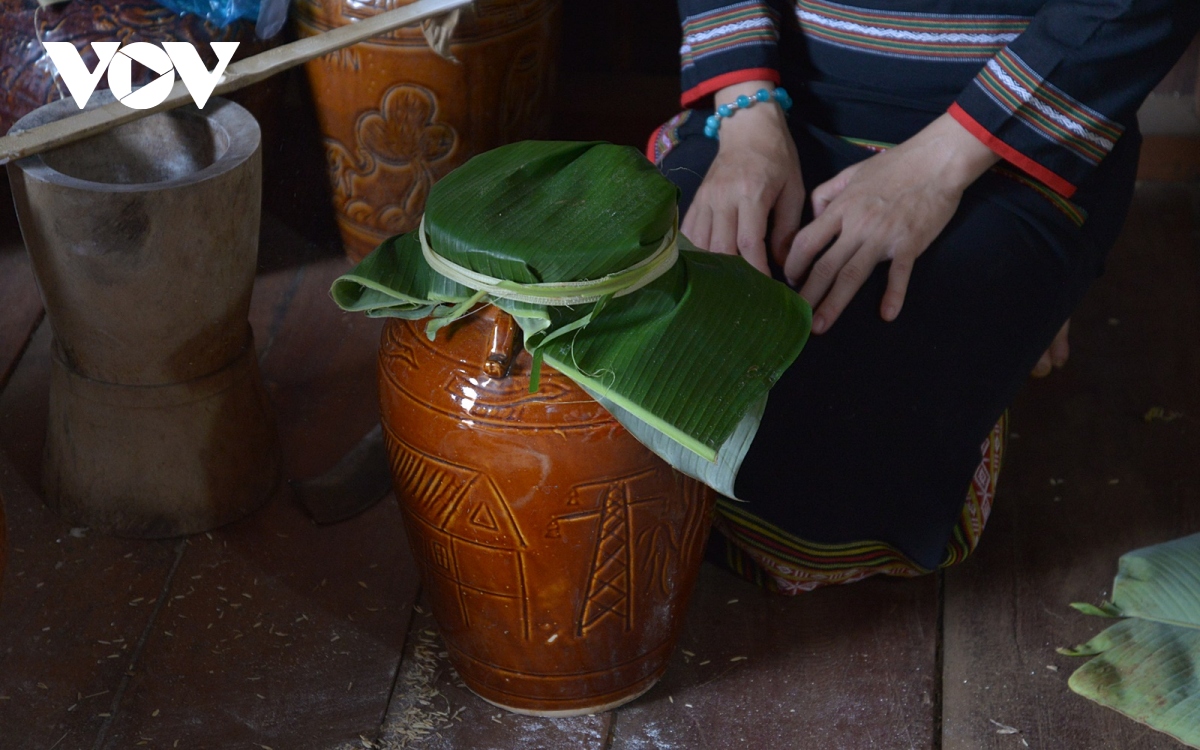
706, 88
1033, 124
728, 45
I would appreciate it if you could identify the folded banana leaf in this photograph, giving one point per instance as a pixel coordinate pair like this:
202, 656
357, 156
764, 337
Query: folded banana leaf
579, 242
1146, 665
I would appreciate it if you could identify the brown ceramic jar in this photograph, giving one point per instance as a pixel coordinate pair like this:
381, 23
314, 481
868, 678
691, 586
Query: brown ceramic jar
558, 552
397, 117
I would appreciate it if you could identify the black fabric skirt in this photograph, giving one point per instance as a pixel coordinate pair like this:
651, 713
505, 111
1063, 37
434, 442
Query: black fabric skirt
872, 437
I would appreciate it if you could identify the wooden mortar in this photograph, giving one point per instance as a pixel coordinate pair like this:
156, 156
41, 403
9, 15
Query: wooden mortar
144, 241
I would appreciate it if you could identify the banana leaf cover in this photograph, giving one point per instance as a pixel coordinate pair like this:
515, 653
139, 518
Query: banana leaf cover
579, 242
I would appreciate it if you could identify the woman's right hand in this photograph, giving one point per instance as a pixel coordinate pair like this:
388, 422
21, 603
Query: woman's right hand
756, 172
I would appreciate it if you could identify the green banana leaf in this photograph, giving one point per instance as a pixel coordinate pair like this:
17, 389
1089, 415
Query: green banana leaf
1161, 583
685, 362
542, 211
1147, 665
1147, 671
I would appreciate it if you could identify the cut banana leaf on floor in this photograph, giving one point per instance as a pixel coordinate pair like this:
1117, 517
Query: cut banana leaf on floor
1147, 665
1161, 583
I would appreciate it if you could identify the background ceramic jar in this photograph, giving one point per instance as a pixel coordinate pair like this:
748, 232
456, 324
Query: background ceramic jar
396, 116
559, 553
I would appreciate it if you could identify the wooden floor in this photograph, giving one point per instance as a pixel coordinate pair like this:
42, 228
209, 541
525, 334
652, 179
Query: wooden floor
274, 633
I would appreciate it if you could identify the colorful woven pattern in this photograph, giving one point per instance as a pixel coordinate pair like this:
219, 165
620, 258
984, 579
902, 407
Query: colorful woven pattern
927, 36
1021, 92
1072, 210
666, 137
771, 557
727, 28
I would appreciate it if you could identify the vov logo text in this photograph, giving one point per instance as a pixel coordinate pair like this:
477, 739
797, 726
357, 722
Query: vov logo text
166, 60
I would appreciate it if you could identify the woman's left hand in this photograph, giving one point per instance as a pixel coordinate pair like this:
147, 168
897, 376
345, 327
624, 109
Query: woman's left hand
888, 207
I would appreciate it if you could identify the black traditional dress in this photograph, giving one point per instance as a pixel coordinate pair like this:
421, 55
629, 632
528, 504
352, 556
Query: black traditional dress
869, 439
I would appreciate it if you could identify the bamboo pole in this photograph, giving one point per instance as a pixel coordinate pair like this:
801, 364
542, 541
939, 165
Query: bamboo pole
238, 75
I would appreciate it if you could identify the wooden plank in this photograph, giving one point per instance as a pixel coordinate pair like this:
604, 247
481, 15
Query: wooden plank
96, 597
320, 371
845, 667
1088, 479
433, 710
273, 294
75, 605
278, 632
1170, 158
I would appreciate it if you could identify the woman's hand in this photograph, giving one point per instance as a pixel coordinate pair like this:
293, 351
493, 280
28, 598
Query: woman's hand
756, 172
889, 207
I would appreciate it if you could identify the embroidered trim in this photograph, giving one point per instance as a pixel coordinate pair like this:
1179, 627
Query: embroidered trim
777, 560
1021, 92
666, 137
1058, 184
926, 36
980, 494
747, 23
1073, 212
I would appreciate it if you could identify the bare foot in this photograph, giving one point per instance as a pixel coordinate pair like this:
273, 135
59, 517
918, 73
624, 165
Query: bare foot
1056, 356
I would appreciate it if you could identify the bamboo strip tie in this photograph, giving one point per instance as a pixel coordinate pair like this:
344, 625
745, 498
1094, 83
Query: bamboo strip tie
560, 293
238, 75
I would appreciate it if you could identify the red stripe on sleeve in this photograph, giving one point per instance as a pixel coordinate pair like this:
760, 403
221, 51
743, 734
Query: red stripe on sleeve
1010, 154
696, 93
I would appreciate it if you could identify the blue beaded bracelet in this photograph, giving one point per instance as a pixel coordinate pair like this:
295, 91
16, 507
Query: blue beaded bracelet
712, 126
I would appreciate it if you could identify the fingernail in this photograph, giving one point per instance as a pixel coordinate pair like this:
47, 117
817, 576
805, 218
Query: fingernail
889, 313
818, 324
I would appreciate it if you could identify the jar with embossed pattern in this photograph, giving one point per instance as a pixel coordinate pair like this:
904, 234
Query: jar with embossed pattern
396, 116
558, 552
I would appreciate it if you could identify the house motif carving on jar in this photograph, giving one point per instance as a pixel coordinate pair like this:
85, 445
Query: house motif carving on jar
559, 553
396, 116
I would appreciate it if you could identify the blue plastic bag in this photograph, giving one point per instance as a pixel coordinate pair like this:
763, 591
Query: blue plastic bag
268, 15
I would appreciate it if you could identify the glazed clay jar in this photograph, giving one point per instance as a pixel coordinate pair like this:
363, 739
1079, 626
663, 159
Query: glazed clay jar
396, 116
558, 552
27, 78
